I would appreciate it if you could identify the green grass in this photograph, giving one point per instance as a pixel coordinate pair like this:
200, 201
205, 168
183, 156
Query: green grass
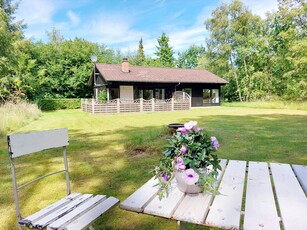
112, 154
15, 115
273, 104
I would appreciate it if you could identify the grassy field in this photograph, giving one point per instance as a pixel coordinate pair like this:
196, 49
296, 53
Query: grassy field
112, 154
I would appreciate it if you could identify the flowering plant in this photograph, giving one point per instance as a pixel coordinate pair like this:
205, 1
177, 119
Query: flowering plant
192, 151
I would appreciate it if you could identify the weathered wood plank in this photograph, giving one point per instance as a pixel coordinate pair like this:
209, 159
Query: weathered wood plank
43, 212
291, 197
166, 206
301, 174
140, 198
92, 214
226, 208
84, 207
260, 208
25, 143
194, 207
41, 223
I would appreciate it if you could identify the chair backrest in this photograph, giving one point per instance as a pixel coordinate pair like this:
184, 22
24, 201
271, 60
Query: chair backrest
26, 143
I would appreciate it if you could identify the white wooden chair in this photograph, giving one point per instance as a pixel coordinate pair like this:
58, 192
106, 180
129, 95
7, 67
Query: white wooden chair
75, 211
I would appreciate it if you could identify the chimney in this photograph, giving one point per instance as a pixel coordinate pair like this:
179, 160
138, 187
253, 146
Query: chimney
125, 65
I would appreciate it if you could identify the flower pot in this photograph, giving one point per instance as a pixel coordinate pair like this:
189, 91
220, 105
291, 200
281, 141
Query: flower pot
183, 186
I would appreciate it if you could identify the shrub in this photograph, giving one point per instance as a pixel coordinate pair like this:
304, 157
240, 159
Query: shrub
16, 114
49, 104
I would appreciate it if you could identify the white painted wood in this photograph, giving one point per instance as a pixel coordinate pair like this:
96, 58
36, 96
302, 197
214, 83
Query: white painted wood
226, 208
260, 209
91, 215
291, 197
78, 211
140, 198
126, 92
43, 212
166, 206
301, 174
194, 207
25, 143
41, 223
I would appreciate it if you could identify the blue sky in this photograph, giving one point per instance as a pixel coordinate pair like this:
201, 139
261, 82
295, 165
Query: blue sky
119, 24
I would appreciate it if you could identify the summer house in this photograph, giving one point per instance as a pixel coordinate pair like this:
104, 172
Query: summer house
132, 82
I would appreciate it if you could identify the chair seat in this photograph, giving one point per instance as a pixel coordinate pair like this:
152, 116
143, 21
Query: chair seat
75, 211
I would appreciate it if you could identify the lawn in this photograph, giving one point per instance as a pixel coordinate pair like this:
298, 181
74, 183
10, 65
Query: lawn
112, 154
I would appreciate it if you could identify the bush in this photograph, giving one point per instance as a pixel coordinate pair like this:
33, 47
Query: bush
16, 114
49, 104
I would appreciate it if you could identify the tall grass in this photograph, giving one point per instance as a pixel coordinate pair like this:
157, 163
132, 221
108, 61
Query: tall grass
15, 115
275, 104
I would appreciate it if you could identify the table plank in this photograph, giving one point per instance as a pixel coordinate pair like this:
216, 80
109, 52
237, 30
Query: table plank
139, 199
194, 207
166, 206
291, 197
226, 208
301, 174
260, 208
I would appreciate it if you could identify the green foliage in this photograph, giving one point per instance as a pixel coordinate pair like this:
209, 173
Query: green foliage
102, 96
165, 51
48, 104
140, 57
189, 58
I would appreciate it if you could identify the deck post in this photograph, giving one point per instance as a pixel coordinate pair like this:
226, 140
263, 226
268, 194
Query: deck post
152, 104
93, 106
141, 104
118, 105
172, 104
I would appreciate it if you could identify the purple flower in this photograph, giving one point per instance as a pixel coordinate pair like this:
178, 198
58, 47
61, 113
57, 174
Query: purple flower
165, 178
180, 164
184, 149
198, 130
190, 125
182, 130
215, 143
190, 177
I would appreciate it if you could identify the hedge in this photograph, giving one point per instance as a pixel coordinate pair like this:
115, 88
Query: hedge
59, 103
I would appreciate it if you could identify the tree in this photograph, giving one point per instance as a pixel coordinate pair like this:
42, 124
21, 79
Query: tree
10, 35
164, 51
140, 57
189, 58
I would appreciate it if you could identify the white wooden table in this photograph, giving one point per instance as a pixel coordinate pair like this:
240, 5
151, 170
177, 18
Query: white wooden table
253, 195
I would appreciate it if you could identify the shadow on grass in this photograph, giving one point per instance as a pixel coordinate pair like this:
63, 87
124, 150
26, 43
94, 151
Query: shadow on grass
102, 163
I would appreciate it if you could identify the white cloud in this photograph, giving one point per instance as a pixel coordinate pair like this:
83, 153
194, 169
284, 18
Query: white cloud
73, 17
36, 11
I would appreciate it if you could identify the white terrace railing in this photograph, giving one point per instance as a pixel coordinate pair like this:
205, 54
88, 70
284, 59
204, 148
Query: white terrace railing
139, 105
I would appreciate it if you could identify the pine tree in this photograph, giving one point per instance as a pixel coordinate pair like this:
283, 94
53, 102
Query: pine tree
164, 51
140, 55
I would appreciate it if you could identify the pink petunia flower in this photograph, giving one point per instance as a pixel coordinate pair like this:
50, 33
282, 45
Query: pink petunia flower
165, 178
190, 177
190, 125
184, 149
180, 164
182, 130
215, 143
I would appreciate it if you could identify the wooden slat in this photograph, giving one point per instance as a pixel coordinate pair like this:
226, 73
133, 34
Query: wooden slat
166, 206
43, 212
194, 207
291, 197
260, 208
301, 174
25, 143
226, 207
78, 211
91, 215
140, 198
41, 223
